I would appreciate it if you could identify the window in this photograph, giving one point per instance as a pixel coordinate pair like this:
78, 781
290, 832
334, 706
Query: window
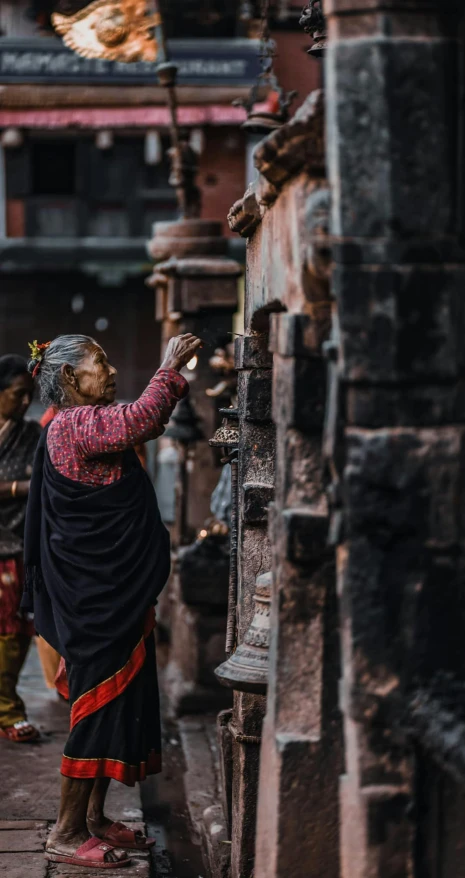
191, 19
54, 168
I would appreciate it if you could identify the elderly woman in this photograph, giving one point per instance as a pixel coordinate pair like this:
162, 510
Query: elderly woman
97, 557
18, 441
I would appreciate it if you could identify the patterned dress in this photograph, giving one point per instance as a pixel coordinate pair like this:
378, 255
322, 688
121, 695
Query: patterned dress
86, 443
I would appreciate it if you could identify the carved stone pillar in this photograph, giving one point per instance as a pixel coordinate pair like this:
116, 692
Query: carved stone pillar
196, 291
287, 307
297, 827
256, 480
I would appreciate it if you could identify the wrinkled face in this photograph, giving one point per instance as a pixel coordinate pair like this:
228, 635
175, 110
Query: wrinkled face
16, 399
95, 378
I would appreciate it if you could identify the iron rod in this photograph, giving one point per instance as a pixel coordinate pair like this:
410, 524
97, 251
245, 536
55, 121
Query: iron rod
232, 592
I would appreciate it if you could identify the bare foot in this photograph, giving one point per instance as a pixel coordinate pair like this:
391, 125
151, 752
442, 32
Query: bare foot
98, 825
67, 844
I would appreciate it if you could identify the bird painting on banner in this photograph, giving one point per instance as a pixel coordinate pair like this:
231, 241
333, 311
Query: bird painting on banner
114, 30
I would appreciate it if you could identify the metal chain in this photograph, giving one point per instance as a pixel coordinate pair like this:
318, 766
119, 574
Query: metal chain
264, 15
267, 45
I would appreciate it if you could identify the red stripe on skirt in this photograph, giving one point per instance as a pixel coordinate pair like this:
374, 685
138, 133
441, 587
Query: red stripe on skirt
122, 771
105, 692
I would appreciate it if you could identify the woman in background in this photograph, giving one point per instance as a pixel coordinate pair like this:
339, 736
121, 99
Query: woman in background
18, 441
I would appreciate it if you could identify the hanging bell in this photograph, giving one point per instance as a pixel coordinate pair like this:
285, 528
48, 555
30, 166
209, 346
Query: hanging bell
247, 668
227, 436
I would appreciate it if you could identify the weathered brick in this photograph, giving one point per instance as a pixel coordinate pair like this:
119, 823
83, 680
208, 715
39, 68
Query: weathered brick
295, 335
390, 133
299, 393
256, 500
400, 324
255, 394
251, 352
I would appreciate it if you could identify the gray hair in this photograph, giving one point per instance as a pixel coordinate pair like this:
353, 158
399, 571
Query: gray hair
64, 350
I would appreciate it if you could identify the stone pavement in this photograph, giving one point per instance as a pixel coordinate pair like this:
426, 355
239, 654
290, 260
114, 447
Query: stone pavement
30, 794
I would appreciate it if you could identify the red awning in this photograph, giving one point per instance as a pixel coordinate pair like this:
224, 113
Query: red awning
120, 117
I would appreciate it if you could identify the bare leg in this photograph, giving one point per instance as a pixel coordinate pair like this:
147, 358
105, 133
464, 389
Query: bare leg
96, 820
70, 831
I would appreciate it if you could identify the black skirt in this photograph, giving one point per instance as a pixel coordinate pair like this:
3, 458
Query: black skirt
115, 725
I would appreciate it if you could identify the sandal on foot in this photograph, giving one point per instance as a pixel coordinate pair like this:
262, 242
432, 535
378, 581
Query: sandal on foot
121, 836
20, 733
92, 854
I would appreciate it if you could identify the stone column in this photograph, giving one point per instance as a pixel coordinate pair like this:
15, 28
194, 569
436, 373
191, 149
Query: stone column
196, 291
398, 334
298, 820
284, 215
256, 488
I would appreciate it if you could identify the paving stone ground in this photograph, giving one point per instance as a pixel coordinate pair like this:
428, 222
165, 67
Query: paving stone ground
29, 796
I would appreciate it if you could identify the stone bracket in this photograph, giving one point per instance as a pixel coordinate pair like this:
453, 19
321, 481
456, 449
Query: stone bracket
294, 335
255, 399
385, 334
251, 352
257, 498
192, 294
305, 535
299, 392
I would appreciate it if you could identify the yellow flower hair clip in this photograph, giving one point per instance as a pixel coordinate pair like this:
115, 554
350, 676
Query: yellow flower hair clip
37, 353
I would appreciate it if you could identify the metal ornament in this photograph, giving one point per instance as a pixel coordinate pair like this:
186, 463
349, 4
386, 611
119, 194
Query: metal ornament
227, 436
115, 30
247, 668
263, 121
314, 23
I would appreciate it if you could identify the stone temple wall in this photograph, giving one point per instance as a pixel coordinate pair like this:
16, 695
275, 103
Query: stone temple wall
343, 754
351, 380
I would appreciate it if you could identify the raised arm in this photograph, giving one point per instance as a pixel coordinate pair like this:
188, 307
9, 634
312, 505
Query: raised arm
105, 429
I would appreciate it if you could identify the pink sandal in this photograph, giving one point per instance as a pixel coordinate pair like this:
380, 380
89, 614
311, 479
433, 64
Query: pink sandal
91, 854
20, 733
120, 836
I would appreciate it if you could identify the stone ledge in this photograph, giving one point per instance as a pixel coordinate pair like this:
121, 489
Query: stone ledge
216, 847
200, 779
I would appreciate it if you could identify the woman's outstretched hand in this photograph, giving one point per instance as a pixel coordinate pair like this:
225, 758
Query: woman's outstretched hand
180, 350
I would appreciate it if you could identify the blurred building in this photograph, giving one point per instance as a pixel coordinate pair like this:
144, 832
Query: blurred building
84, 172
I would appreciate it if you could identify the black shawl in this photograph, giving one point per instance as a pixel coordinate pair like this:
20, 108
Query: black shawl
96, 559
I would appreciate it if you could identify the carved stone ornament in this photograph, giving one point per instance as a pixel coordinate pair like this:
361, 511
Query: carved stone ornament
115, 30
297, 146
245, 216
